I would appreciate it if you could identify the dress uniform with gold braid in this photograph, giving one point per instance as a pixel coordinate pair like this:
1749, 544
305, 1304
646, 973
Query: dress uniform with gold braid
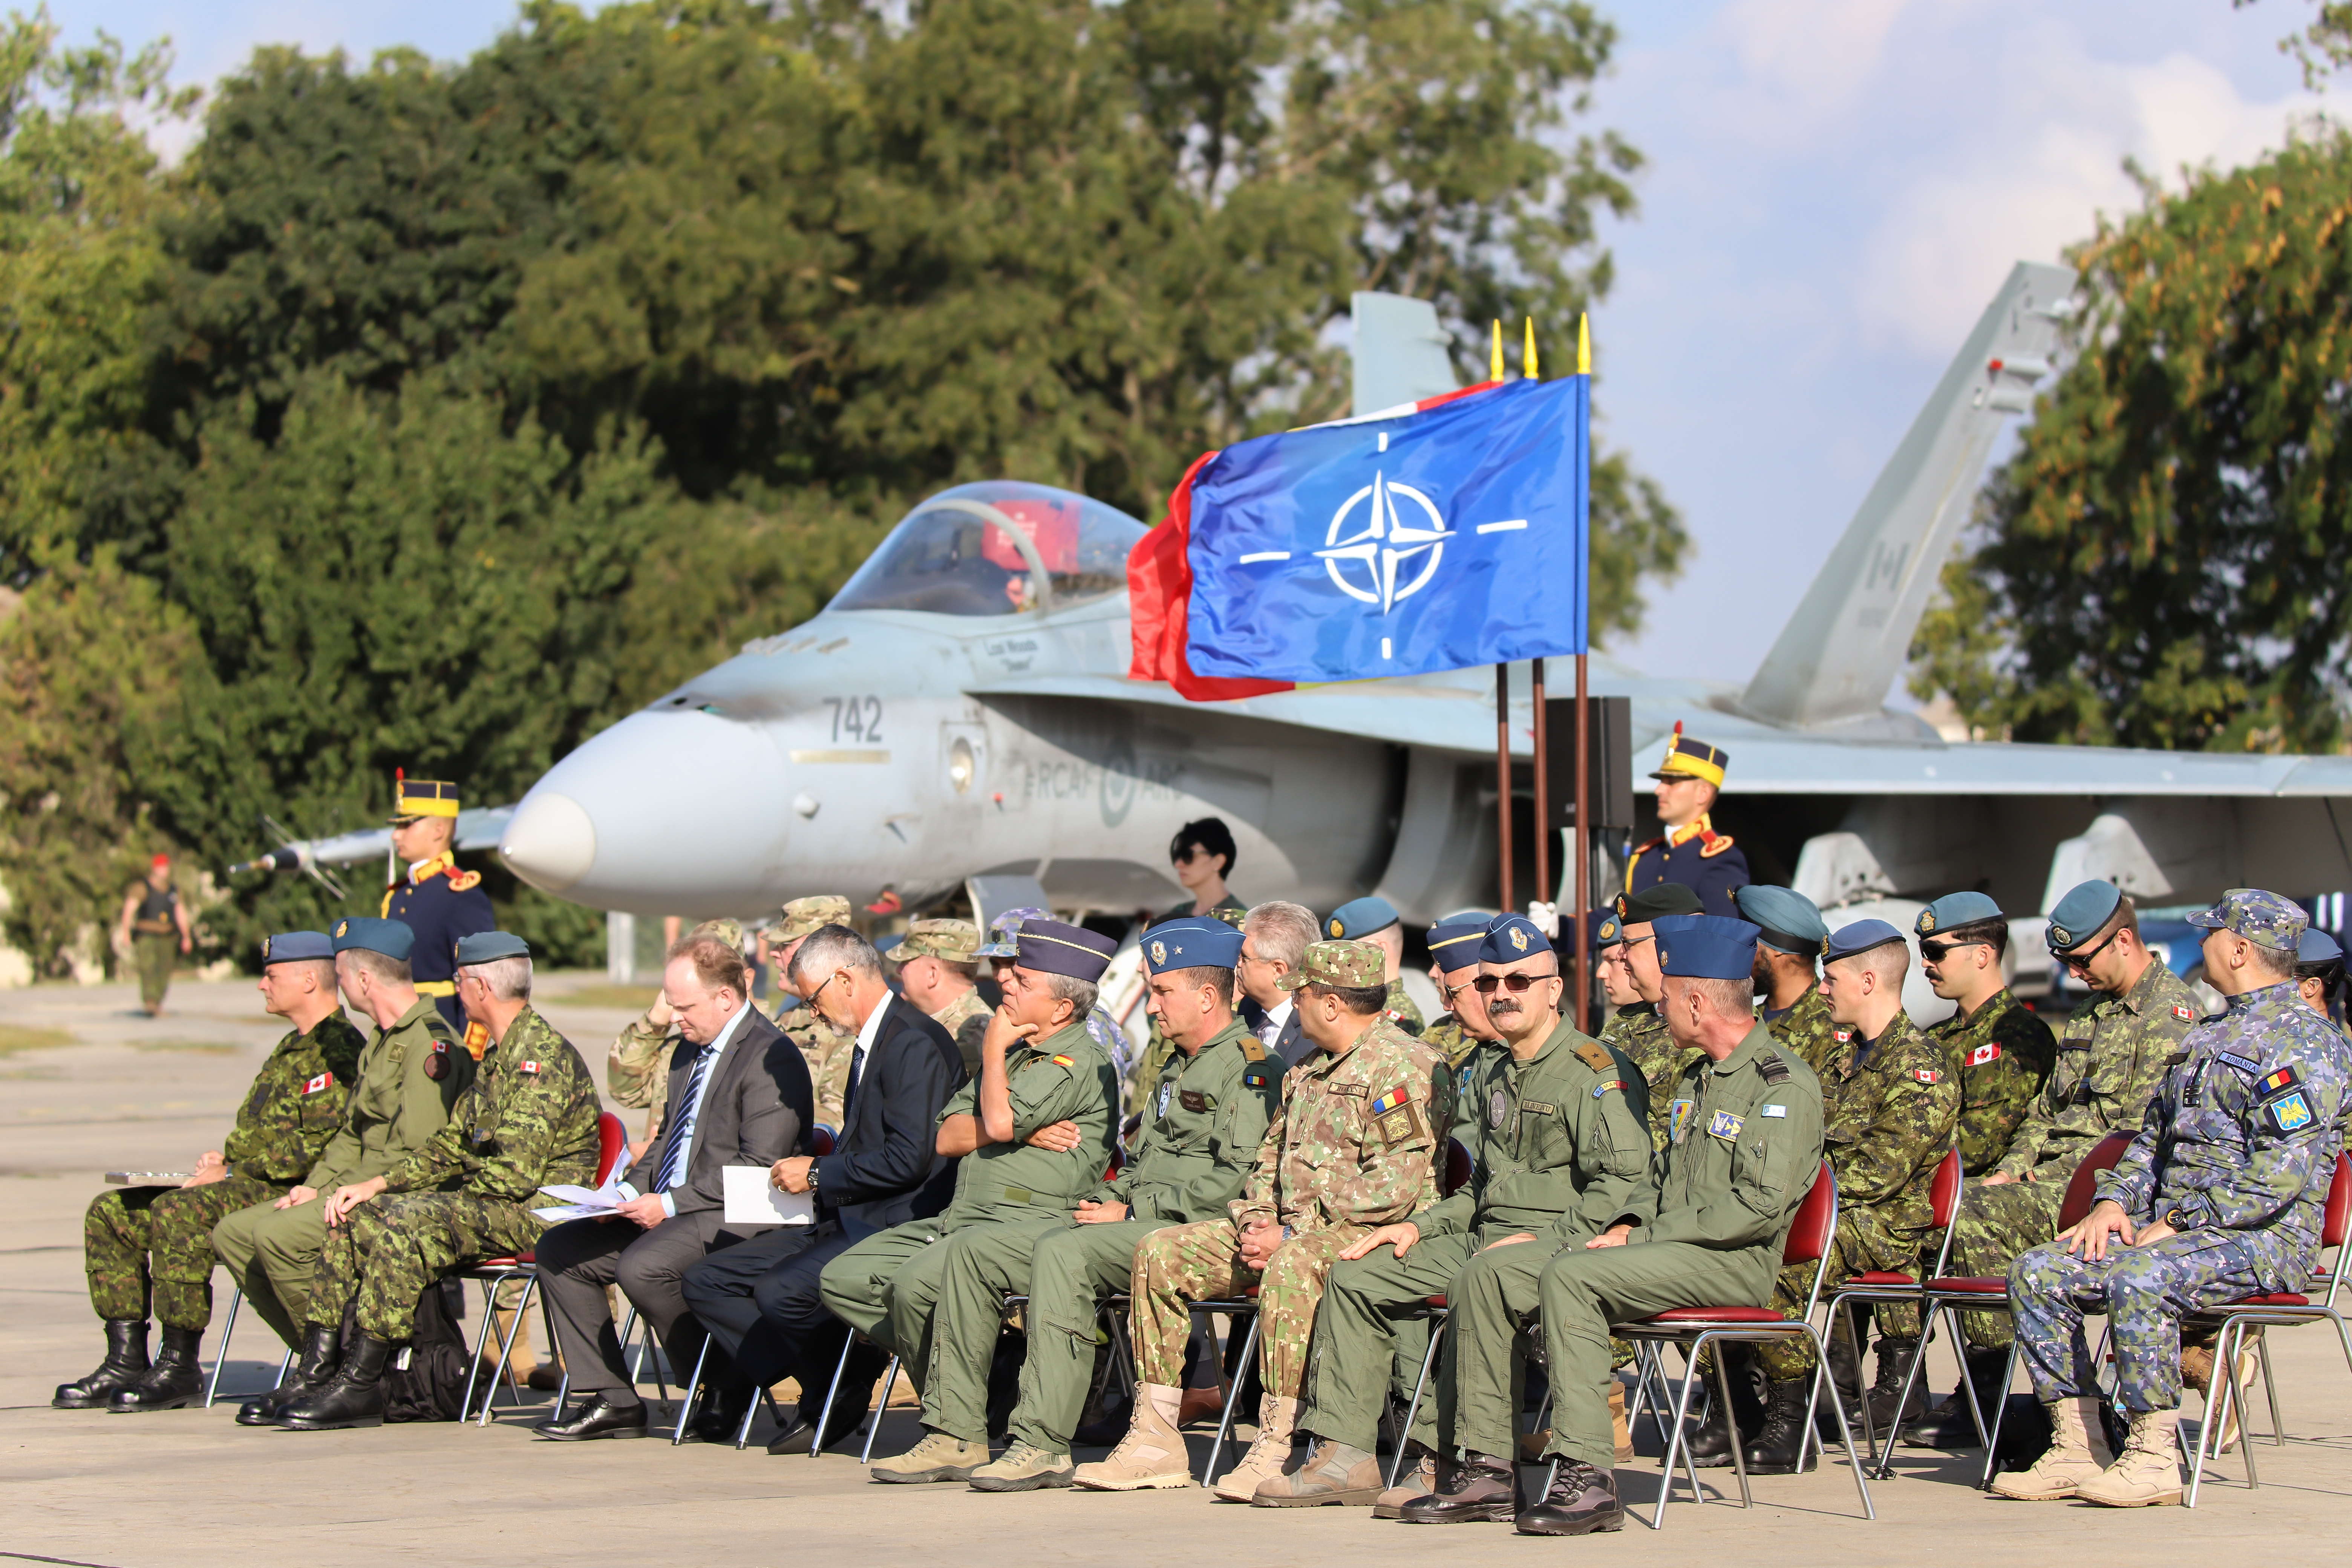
1695, 855
438, 901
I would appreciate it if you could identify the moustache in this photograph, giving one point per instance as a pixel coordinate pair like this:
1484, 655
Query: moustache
1498, 1005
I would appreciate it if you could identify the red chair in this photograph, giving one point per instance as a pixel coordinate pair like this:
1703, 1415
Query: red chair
1880, 1287
1989, 1293
1692, 1329
612, 1139
2231, 1321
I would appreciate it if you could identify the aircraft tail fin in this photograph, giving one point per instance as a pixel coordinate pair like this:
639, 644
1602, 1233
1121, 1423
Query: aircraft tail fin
1399, 352
1849, 634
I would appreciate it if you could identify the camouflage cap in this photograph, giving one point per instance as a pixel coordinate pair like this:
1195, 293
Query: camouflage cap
956, 941
802, 916
1349, 964
1004, 930
729, 932
2262, 918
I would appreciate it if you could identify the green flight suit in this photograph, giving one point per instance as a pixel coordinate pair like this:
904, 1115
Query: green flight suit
397, 1106
1204, 1124
1562, 1144
1007, 1196
1746, 1143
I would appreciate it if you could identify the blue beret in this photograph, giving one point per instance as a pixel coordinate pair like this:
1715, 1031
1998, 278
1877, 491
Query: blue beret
391, 938
2316, 946
1192, 943
1604, 927
484, 946
1859, 937
2079, 914
291, 946
1956, 909
1511, 938
1049, 947
1453, 944
1360, 917
1704, 947
1788, 920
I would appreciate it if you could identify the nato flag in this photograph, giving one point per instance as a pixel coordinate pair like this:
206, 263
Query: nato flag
1432, 538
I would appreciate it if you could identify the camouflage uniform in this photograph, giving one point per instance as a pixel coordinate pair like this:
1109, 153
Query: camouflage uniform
1352, 1148
1807, 1029
2001, 1058
1888, 1109
1403, 1010
1451, 1040
1640, 1034
528, 1121
966, 1019
133, 1236
2235, 1150
2111, 1057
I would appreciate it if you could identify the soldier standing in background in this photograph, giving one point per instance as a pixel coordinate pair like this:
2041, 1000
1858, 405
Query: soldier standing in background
154, 925
1994, 1047
1690, 851
1791, 931
1374, 919
439, 903
936, 962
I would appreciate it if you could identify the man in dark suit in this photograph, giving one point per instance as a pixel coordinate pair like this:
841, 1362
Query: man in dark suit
760, 1299
1274, 935
739, 1095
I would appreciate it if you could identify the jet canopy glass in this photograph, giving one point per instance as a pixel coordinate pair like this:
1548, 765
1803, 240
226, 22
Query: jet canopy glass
982, 549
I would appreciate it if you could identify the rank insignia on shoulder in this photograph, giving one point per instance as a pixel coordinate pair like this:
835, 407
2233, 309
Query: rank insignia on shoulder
1989, 1052
527, 1066
320, 1085
1596, 1057
1926, 1075
2183, 1014
2242, 1064
1778, 1112
1724, 1124
2282, 1079
1062, 1061
1772, 1068
2289, 1112
464, 881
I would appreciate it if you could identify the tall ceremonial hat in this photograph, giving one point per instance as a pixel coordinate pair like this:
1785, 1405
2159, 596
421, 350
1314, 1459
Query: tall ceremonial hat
489, 946
294, 946
1650, 904
2079, 915
1859, 937
1689, 759
1511, 938
950, 941
1453, 941
1192, 942
1705, 947
1785, 919
1360, 917
393, 939
2261, 917
413, 798
1004, 930
803, 916
1956, 909
1049, 947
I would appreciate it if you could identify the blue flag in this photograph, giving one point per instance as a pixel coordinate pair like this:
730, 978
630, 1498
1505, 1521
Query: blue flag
1438, 538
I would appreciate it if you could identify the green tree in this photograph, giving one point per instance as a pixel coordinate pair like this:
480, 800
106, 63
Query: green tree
2167, 560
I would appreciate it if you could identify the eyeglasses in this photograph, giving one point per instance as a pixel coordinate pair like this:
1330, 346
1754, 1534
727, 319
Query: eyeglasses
1936, 951
1487, 983
1186, 855
2082, 960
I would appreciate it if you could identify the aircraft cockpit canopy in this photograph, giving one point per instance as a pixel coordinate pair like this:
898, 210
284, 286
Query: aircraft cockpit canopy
981, 549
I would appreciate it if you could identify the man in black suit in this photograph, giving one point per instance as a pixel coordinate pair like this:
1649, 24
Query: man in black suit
1274, 935
739, 1095
760, 1299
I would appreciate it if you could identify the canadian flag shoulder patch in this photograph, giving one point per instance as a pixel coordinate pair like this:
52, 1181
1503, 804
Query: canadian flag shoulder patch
1926, 1075
320, 1085
2183, 1014
1989, 1052
526, 1067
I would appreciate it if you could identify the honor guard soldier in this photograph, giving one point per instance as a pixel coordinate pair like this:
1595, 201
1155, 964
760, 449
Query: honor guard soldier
2221, 1196
936, 962
1643, 1036
1993, 1045
1375, 920
1791, 931
140, 1243
1690, 851
439, 903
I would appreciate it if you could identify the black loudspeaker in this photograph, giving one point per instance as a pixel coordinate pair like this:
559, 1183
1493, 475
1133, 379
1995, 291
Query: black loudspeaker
1609, 789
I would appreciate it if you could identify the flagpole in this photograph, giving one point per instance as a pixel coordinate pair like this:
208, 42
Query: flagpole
1580, 844
1546, 889
1503, 776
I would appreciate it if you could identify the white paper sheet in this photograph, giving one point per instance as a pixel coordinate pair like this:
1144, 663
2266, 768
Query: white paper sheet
751, 1199
581, 1202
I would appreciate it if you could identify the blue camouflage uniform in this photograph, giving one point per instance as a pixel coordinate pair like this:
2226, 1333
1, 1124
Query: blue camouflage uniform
2235, 1150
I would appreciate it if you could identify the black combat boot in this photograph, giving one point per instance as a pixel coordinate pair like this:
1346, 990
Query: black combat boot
322, 1350
1948, 1426
177, 1376
1888, 1410
125, 1363
1773, 1450
353, 1397
1481, 1488
1710, 1445
1581, 1501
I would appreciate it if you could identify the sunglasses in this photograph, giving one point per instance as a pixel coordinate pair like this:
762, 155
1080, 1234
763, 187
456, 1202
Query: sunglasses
1487, 984
2082, 960
1936, 951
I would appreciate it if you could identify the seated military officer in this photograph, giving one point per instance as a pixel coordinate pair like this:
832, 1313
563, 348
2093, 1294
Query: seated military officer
1453, 944
2219, 1196
1375, 920
1790, 1000
1034, 1132
1642, 1034
1205, 1119
1994, 1047
1563, 1141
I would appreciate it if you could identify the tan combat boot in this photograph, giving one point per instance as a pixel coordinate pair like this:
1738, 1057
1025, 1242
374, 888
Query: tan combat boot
2197, 1372
1618, 1427
2069, 1463
1152, 1452
2148, 1473
1330, 1473
1419, 1480
1267, 1455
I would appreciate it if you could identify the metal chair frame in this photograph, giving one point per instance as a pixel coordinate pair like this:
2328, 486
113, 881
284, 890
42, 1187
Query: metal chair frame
1944, 1210
1460, 1168
220, 1354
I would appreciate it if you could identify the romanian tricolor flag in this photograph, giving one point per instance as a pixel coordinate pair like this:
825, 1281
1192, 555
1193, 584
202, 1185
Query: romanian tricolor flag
1393, 1100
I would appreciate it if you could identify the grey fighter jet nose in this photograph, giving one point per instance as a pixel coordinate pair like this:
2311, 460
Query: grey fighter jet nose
640, 817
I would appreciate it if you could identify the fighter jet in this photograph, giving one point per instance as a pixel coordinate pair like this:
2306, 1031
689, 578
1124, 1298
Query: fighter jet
962, 709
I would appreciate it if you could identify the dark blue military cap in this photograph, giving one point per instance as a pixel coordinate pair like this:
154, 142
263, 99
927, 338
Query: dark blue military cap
1360, 917
1785, 918
1859, 937
2316, 946
2079, 914
1511, 938
485, 946
292, 946
391, 938
1049, 947
1454, 943
1956, 909
1192, 942
1704, 947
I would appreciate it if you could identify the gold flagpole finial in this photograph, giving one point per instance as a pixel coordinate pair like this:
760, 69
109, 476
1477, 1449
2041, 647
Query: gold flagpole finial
1527, 356
1583, 345
1494, 356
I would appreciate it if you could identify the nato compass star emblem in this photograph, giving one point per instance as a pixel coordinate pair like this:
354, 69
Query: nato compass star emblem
1367, 564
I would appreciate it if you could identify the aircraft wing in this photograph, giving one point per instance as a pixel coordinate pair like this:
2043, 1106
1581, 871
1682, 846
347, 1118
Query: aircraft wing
478, 828
1431, 710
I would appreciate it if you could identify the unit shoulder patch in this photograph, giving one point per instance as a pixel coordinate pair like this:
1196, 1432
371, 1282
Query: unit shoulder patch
1726, 1125
2289, 1112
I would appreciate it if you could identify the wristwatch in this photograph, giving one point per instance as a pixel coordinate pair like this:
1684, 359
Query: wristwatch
2176, 1219
813, 1168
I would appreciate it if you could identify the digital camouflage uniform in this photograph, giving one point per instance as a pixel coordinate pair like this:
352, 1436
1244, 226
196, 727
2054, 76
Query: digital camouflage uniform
528, 1121
951, 941
1451, 1040
2111, 1056
408, 1077
966, 1019
1888, 1109
894, 1287
2237, 1148
133, 1236
1403, 1012
1640, 1034
1563, 1140
1807, 1029
2001, 1058
1204, 1124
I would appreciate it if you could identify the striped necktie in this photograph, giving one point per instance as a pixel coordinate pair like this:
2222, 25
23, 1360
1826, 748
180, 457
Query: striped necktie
674, 1147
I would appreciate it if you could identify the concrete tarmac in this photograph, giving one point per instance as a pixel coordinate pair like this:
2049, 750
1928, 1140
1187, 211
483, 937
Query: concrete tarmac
188, 1489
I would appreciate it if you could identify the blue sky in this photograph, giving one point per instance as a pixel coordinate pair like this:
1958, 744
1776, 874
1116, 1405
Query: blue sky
1836, 187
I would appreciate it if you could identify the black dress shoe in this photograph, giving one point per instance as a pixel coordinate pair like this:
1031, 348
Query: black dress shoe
1481, 1488
594, 1416
1583, 1500
794, 1439
720, 1414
